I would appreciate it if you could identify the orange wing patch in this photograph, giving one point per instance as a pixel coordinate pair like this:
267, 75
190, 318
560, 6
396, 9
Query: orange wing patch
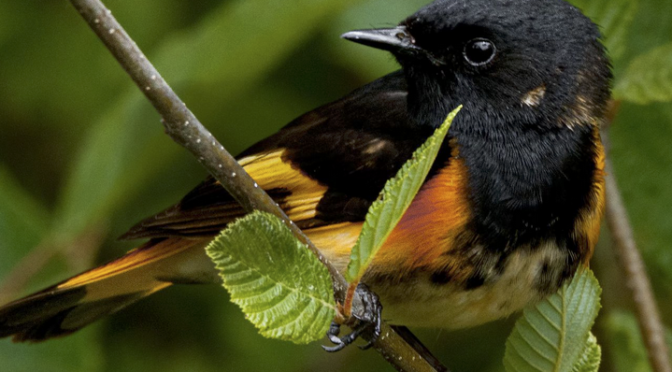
588, 223
204, 211
270, 171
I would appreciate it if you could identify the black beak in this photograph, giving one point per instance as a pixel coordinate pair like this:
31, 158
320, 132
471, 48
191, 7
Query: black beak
391, 39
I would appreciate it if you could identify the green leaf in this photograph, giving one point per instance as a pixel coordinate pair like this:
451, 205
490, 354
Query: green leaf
385, 213
551, 335
648, 78
626, 345
592, 355
614, 18
282, 288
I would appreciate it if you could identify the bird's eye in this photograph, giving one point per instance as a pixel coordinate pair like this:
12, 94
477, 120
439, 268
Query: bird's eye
479, 52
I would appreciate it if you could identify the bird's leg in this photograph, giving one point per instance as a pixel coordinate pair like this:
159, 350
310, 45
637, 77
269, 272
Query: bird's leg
366, 317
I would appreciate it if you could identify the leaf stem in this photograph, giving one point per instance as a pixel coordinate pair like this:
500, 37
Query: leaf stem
185, 129
349, 296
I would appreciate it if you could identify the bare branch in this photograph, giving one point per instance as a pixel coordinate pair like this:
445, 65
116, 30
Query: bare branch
630, 260
185, 129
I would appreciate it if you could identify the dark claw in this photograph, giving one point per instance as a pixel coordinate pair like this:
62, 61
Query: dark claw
333, 349
346, 340
333, 332
366, 312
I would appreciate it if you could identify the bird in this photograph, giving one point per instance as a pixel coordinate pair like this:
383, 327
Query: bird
510, 211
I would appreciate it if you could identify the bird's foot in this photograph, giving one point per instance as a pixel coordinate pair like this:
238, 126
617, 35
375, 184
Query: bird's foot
366, 317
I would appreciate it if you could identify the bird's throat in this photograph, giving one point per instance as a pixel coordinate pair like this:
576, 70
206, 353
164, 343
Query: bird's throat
528, 184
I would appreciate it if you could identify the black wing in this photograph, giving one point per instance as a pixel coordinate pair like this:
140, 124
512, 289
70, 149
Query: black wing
325, 167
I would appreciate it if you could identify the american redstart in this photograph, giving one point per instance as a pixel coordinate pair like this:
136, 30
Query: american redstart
509, 212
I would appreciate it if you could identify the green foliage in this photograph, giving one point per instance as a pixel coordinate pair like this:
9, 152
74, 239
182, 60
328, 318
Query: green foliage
641, 152
257, 49
280, 285
396, 197
614, 18
23, 224
648, 78
74, 354
627, 348
552, 335
22, 219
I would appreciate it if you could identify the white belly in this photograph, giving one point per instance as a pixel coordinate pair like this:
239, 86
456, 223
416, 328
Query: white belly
421, 302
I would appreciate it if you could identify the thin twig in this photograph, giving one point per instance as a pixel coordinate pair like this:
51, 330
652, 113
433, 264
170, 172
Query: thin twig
650, 324
185, 129
630, 260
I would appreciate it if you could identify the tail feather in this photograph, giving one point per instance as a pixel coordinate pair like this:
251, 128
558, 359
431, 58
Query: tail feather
38, 316
67, 307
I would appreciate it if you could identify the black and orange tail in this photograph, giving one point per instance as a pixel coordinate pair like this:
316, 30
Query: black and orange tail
67, 307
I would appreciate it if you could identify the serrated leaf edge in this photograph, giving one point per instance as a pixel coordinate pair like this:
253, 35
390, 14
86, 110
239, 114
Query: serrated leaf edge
583, 276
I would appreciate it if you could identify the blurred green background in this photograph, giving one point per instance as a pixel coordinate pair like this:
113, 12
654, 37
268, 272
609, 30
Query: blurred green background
83, 157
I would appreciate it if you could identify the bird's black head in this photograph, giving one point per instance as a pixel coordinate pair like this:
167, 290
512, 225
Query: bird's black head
536, 62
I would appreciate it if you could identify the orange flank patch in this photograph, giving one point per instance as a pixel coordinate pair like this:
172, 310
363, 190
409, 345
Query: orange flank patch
432, 223
144, 255
588, 224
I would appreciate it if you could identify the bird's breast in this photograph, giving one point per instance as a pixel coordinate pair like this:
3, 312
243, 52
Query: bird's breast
430, 297
441, 268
